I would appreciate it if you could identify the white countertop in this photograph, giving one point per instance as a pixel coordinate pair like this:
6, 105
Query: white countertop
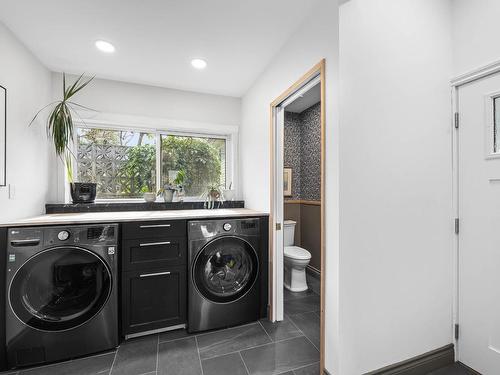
113, 217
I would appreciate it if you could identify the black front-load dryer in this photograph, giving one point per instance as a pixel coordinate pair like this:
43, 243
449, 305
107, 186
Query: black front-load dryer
227, 276
61, 293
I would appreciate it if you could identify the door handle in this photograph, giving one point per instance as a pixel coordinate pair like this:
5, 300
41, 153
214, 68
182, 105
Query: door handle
154, 244
155, 226
155, 274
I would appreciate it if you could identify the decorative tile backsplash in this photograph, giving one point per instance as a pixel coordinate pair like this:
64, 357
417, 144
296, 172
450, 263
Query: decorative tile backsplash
303, 152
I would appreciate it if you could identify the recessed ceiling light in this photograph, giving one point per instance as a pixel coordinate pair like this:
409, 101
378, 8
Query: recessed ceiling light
104, 46
198, 63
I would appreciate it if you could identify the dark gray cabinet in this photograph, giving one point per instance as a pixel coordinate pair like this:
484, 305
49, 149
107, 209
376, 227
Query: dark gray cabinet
154, 279
154, 299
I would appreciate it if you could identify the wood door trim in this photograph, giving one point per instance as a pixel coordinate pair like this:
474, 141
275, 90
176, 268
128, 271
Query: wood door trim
303, 201
319, 68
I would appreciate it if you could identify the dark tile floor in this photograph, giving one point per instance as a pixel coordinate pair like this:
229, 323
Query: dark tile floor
313, 282
289, 347
455, 369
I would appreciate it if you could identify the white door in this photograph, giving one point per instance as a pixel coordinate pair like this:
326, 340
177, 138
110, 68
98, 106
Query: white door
479, 237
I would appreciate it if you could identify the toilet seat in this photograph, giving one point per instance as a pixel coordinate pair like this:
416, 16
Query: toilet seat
296, 252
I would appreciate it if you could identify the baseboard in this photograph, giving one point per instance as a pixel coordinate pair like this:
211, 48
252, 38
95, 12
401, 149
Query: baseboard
422, 364
471, 370
313, 272
153, 331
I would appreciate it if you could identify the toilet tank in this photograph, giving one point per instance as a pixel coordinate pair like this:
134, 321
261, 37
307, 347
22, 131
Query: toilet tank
289, 232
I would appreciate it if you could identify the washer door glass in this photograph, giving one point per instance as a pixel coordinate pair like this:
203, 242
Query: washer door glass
225, 269
60, 288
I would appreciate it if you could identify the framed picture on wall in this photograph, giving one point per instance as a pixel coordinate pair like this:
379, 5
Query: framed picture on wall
287, 182
3, 134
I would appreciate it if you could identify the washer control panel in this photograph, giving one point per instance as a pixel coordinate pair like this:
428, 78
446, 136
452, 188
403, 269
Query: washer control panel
63, 235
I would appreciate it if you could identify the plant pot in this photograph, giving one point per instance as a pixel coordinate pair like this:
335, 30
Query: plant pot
214, 194
168, 195
229, 195
83, 192
149, 197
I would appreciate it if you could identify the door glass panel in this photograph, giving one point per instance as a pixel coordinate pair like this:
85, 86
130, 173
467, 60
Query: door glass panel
496, 125
225, 269
60, 288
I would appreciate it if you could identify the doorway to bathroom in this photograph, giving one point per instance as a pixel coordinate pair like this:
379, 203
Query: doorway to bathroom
297, 209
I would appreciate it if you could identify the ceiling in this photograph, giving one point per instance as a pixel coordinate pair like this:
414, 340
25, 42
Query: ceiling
156, 39
308, 99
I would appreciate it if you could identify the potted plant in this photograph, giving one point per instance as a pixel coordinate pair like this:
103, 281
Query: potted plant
60, 129
229, 194
167, 192
169, 189
149, 196
212, 195
179, 182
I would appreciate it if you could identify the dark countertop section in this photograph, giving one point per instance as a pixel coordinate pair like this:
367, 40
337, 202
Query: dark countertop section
134, 206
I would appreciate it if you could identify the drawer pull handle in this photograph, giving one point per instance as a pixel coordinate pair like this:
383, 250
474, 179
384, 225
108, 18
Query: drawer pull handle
155, 226
155, 274
30, 242
154, 244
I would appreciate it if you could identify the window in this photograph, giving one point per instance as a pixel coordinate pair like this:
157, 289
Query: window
201, 160
124, 164
496, 125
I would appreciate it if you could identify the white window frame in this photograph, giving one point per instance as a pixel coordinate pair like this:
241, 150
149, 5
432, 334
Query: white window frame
228, 133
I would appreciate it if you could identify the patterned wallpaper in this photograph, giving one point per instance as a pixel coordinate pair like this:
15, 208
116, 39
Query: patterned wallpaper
291, 155
303, 152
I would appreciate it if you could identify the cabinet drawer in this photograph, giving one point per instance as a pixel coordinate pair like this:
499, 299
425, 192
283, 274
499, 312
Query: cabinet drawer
153, 253
153, 299
153, 229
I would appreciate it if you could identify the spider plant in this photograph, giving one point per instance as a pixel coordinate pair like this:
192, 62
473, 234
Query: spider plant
60, 121
212, 195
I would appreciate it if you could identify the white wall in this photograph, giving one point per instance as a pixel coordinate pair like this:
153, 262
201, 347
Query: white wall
315, 39
29, 157
156, 102
475, 34
395, 181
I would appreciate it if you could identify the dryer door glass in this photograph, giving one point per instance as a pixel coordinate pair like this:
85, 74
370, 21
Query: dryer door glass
60, 288
225, 269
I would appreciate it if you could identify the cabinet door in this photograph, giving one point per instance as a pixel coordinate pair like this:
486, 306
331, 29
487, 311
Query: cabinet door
153, 253
153, 299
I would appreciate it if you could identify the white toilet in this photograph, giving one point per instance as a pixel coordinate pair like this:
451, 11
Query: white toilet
296, 260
